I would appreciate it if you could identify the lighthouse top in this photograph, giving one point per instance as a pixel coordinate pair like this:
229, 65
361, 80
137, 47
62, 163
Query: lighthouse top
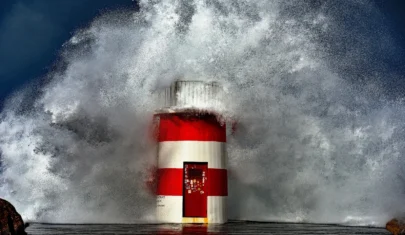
181, 95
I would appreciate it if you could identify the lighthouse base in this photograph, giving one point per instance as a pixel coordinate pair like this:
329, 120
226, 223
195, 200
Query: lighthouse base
170, 210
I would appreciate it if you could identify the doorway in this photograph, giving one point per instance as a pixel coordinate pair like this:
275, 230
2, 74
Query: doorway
195, 189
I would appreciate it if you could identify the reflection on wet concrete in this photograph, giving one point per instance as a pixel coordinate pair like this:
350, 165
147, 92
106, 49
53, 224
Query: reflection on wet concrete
177, 229
234, 227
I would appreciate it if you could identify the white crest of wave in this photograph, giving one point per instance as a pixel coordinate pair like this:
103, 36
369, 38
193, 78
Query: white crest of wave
310, 146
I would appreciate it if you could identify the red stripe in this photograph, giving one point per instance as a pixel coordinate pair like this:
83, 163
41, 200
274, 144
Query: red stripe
170, 182
217, 182
191, 126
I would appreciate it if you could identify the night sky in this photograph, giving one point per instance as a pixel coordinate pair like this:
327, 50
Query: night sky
33, 31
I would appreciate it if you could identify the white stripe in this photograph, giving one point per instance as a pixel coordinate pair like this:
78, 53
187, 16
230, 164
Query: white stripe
217, 210
169, 209
172, 154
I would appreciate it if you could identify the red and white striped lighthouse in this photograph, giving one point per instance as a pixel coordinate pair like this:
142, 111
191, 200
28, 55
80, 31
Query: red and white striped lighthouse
192, 174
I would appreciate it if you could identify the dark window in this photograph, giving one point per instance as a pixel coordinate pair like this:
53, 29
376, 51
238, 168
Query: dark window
195, 173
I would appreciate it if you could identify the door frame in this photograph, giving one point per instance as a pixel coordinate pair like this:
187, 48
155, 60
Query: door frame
184, 188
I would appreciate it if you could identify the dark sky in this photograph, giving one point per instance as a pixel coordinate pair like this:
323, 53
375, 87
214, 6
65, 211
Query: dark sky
32, 32
394, 13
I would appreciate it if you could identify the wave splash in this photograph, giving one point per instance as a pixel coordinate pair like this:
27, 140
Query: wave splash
319, 138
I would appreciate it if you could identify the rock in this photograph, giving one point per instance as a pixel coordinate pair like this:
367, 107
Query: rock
11, 222
396, 226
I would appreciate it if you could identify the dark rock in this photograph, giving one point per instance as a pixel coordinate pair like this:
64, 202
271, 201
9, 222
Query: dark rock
396, 226
11, 222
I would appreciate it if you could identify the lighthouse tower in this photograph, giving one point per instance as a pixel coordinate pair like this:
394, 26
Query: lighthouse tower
192, 174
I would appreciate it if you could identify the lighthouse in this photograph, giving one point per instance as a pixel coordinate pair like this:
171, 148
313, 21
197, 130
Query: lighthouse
192, 182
